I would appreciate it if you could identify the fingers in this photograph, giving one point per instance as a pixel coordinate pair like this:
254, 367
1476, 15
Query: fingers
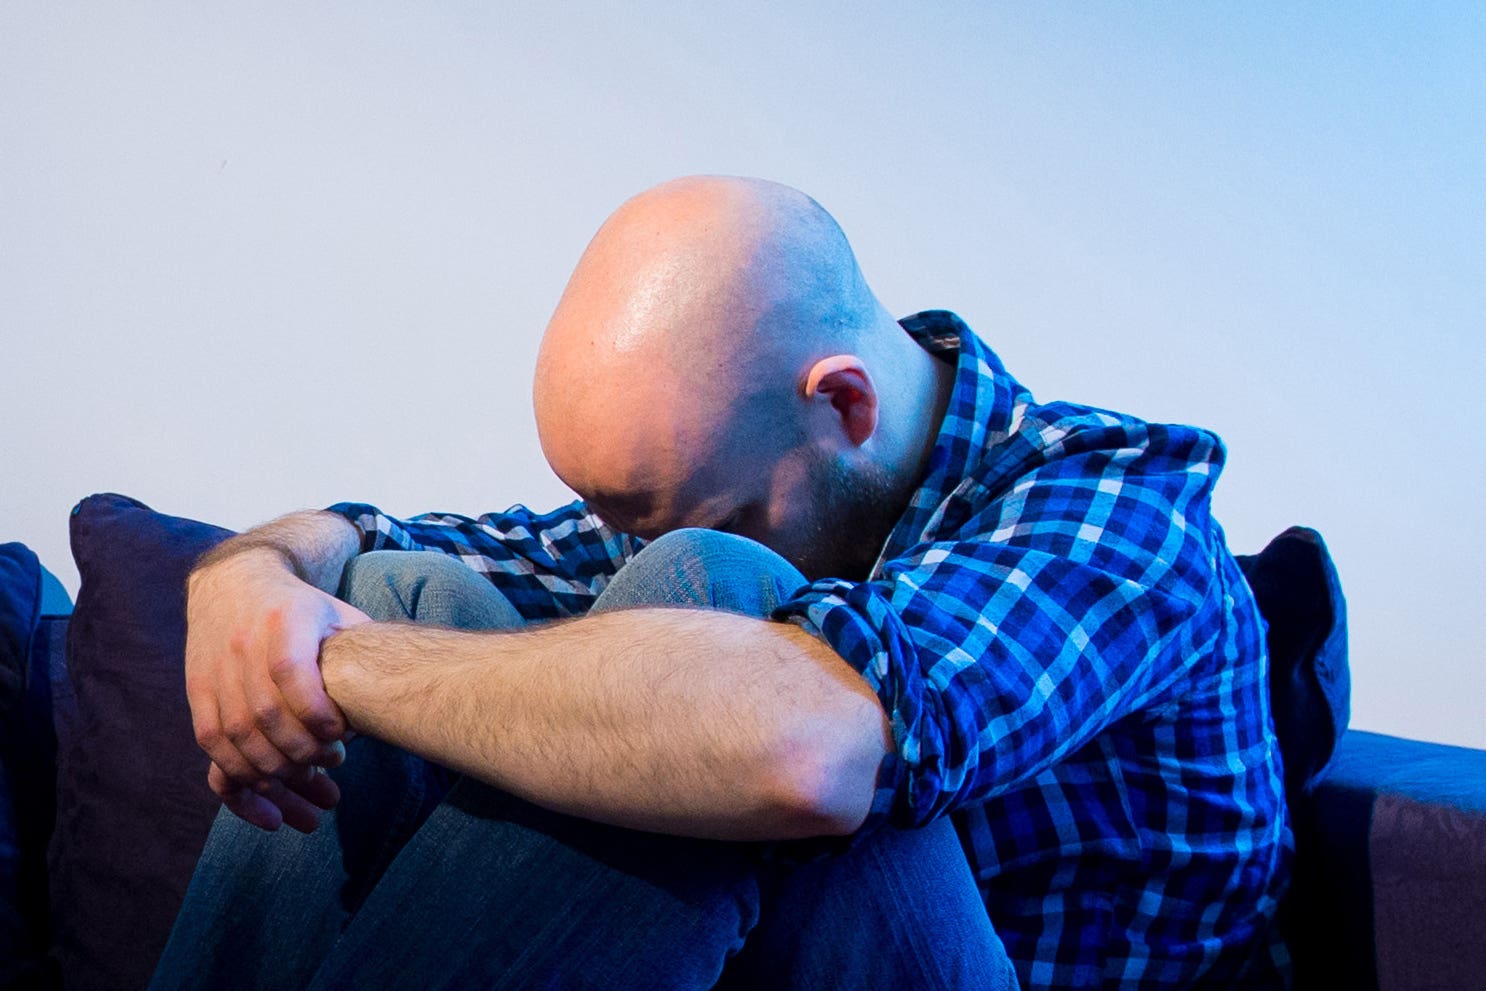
295, 802
244, 802
298, 813
314, 786
274, 700
258, 702
241, 726
214, 736
297, 715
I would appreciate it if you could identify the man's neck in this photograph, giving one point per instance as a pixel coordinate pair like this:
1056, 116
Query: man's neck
934, 381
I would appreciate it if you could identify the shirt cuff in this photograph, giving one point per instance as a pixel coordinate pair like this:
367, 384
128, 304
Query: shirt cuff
860, 625
376, 528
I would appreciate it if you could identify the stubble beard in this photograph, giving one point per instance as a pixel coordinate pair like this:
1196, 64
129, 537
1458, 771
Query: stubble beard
856, 511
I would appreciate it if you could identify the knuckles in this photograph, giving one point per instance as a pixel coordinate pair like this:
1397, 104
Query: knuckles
283, 667
256, 738
209, 736
198, 685
239, 729
267, 716
302, 751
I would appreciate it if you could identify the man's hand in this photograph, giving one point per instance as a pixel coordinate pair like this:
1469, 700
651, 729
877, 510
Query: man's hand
253, 681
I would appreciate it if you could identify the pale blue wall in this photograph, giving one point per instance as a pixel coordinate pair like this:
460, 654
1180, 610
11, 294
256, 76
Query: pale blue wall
227, 236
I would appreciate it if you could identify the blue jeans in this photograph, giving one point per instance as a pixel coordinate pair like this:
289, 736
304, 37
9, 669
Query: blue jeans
418, 879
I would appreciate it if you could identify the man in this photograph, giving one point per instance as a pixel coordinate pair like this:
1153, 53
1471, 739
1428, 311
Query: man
967, 608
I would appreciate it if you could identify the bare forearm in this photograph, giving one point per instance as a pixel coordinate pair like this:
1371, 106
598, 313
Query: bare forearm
314, 545
679, 721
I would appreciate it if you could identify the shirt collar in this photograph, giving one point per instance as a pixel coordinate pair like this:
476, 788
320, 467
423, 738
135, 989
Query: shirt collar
984, 408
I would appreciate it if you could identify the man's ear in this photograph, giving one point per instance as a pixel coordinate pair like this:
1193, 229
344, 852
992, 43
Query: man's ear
842, 380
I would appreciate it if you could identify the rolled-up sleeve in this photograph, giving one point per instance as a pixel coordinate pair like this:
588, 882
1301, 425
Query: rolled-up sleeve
1080, 599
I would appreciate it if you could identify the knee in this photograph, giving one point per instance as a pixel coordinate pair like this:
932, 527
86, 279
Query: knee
680, 547
425, 587
704, 568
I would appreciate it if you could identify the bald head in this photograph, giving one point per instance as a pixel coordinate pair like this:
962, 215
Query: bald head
712, 264
695, 302
717, 326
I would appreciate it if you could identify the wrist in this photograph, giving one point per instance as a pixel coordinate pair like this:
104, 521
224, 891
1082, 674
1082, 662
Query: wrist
247, 552
346, 661
312, 547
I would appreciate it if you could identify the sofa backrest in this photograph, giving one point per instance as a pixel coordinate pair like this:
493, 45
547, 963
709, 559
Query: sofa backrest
33, 629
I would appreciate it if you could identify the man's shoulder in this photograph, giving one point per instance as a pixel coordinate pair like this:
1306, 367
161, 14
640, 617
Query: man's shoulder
1071, 445
1061, 429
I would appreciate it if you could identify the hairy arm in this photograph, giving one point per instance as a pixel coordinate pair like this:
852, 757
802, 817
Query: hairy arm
257, 608
680, 721
313, 545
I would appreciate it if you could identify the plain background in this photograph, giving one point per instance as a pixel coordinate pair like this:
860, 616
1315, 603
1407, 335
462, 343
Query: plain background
260, 257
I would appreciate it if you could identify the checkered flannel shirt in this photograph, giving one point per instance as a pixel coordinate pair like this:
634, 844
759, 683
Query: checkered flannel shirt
1073, 666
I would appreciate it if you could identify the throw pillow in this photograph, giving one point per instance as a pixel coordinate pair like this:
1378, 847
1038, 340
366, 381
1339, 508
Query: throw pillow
1300, 596
133, 808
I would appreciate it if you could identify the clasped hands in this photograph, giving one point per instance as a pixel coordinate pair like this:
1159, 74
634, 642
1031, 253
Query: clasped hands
258, 702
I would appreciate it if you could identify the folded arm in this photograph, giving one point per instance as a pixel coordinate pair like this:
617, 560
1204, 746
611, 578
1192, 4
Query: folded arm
680, 721
690, 722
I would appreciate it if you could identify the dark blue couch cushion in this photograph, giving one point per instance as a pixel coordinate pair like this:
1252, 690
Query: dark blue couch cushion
1390, 886
1300, 597
25, 773
20, 607
133, 808
1310, 685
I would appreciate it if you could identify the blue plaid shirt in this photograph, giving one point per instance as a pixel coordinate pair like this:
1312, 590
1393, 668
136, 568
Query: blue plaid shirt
1073, 666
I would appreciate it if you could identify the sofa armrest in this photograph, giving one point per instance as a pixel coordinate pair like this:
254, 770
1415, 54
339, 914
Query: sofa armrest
1391, 868
29, 745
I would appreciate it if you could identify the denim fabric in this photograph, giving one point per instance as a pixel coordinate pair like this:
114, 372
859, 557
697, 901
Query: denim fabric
409, 884
1072, 664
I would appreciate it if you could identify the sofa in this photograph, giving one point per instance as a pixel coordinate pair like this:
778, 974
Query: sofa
104, 806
